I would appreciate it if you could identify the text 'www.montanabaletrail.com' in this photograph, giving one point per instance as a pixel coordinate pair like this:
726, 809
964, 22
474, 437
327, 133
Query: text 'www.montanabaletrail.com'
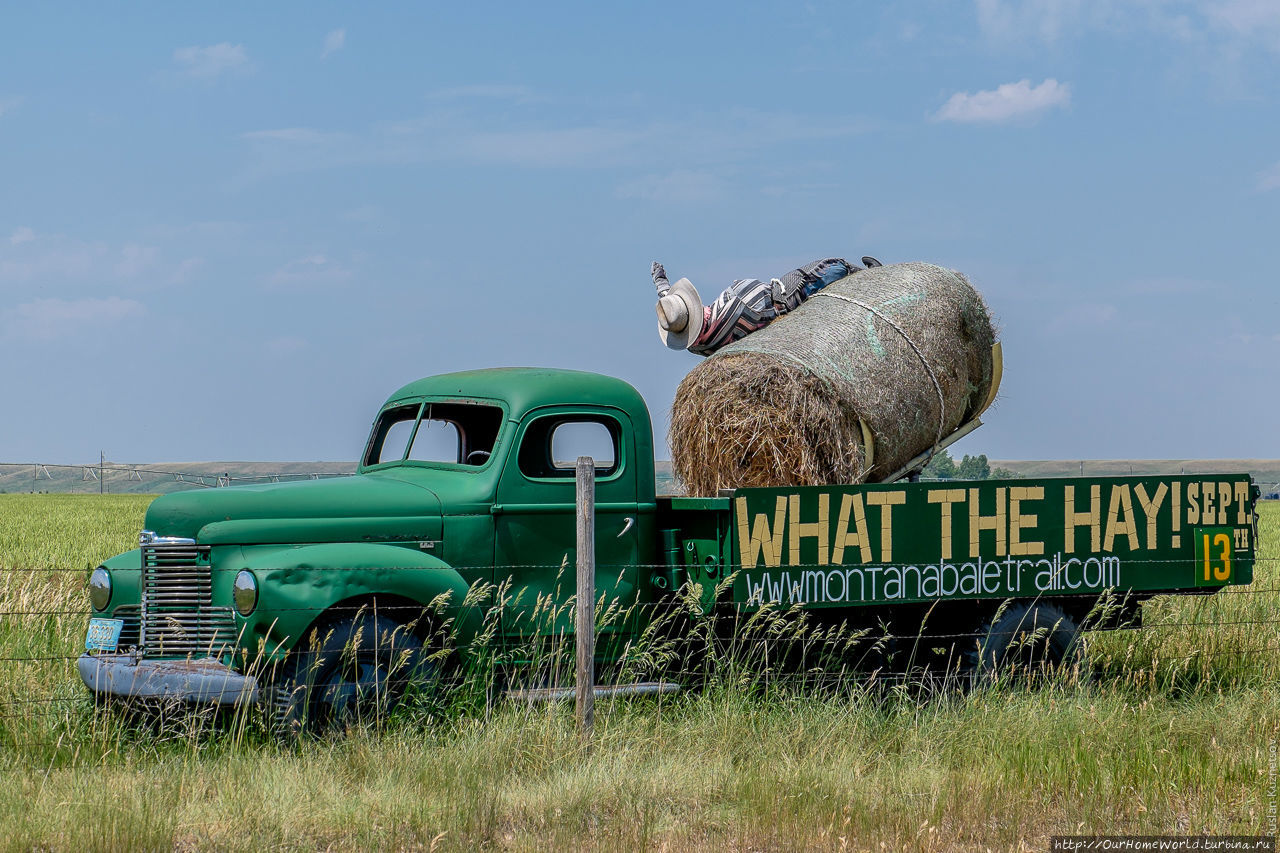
1126, 843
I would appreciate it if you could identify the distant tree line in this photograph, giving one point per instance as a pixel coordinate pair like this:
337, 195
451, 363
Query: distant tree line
943, 467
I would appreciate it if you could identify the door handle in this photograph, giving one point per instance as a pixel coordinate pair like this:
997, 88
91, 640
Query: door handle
629, 522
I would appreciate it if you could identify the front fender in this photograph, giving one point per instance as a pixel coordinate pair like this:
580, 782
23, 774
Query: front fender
126, 581
297, 585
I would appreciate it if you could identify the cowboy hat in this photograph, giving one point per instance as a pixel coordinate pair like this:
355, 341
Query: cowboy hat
680, 315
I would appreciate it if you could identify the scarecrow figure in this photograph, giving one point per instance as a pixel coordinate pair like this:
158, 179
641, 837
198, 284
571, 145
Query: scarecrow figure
746, 306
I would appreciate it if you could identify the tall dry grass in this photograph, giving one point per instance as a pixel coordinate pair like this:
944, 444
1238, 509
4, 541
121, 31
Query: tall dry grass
1167, 731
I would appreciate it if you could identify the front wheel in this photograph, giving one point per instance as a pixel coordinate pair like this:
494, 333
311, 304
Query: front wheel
354, 671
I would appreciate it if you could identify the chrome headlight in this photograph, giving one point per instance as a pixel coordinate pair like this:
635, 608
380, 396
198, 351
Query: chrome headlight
244, 592
100, 588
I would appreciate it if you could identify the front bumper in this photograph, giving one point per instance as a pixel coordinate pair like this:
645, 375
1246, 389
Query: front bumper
205, 681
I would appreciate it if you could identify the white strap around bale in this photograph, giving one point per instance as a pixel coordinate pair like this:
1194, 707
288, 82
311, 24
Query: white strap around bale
942, 406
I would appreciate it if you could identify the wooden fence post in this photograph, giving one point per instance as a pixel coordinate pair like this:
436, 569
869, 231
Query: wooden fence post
586, 621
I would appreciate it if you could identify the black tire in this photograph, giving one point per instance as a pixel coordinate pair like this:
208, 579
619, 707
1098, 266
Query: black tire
1023, 641
350, 672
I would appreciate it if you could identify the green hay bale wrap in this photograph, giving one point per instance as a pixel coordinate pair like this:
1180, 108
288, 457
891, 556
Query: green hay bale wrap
900, 355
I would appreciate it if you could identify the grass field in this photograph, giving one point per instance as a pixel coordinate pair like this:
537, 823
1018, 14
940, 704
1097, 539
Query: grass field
1172, 733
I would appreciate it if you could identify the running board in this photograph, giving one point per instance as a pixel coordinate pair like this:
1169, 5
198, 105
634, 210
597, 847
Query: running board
604, 691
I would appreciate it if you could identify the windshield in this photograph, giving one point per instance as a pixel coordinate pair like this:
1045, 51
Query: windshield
451, 433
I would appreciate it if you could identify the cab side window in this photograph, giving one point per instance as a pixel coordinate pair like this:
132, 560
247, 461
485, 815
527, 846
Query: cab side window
553, 444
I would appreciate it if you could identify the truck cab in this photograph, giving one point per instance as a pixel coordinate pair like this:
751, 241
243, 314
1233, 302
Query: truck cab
467, 480
498, 447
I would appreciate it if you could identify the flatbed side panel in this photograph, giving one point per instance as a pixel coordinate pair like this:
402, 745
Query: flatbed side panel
841, 546
703, 536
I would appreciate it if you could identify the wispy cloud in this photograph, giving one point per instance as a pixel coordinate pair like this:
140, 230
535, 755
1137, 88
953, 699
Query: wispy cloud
363, 213
8, 105
304, 135
699, 144
135, 260
185, 269
57, 259
211, 61
1006, 102
1269, 179
1248, 19
59, 319
678, 187
481, 90
1235, 22
1172, 286
308, 272
335, 41
560, 146
1020, 19
284, 346
1083, 318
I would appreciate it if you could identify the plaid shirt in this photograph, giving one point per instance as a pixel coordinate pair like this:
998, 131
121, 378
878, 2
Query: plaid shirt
751, 304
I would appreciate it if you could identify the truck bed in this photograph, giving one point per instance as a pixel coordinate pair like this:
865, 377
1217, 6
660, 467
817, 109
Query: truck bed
856, 545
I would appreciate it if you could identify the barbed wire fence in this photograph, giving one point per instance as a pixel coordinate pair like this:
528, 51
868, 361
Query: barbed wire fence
1238, 634
1257, 631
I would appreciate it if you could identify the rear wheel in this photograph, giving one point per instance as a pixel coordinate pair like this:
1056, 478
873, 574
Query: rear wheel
1024, 640
355, 671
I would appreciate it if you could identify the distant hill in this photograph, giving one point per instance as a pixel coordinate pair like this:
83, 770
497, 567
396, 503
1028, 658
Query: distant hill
164, 477
1266, 472
667, 482
158, 478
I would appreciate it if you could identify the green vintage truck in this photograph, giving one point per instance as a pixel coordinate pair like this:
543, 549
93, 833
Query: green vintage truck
467, 479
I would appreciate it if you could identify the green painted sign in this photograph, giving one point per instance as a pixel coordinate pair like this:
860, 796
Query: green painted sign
852, 545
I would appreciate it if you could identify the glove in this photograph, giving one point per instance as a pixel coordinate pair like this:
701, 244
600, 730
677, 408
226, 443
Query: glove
659, 278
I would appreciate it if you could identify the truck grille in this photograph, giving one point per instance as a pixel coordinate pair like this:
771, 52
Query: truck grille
178, 617
130, 614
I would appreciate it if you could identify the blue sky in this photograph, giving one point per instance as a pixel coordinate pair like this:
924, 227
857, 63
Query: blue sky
229, 233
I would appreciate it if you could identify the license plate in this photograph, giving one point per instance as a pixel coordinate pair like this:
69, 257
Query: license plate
104, 635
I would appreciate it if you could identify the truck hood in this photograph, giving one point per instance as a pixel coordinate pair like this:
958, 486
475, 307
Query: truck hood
376, 507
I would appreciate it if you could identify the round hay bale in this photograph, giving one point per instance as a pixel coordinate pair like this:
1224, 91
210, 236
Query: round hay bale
899, 355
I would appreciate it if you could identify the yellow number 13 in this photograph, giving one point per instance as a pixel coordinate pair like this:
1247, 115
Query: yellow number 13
1220, 572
